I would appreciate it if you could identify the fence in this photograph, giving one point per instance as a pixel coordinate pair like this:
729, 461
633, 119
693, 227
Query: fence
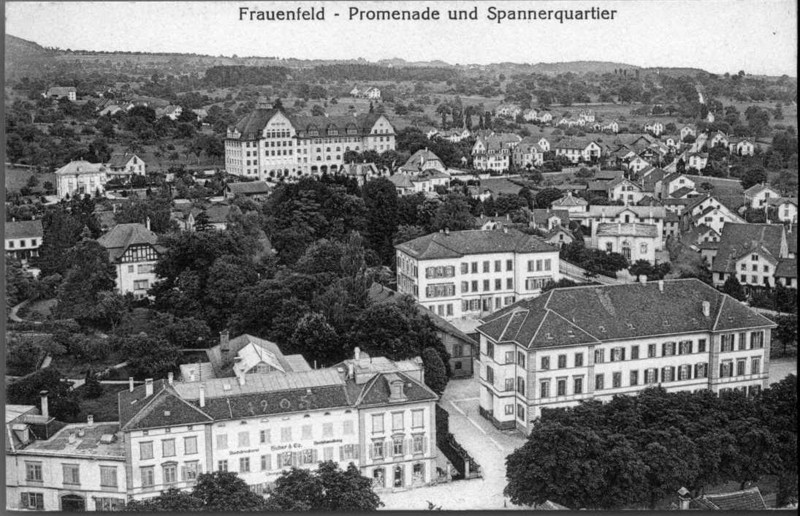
461, 460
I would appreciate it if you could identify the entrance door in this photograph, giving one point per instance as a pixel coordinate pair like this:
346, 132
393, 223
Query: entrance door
73, 503
398, 476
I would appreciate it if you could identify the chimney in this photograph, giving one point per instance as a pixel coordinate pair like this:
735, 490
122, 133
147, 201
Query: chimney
90, 420
130, 383
642, 278
446, 231
147, 223
148, 387
170, 377
72, 438
684, 497
45, 409
240, 378
357, 353
350, 370
661, 285
202, 395
224, 338
706, 309
505, 229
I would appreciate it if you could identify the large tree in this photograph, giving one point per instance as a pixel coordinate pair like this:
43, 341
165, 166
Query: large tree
327, 488
380, 200
88, 275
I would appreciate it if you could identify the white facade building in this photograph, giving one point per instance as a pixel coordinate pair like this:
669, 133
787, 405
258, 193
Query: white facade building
81, 178
133, 250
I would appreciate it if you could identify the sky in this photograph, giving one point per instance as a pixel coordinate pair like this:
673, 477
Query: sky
757, 36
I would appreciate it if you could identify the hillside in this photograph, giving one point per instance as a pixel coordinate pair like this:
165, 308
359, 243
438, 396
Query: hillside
23, 57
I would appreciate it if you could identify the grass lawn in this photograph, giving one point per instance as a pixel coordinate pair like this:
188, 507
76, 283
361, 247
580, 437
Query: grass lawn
104, 408
38, 310
71, 367
16, 178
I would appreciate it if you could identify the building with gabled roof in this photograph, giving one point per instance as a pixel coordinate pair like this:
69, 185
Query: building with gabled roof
421, 160
578, 150
469, 273
62, 92
595, 342
785, 208
252, 189
751, 252
757, 196
127, 164
81, 178
570, 203
745, 500
133, 250
23, 239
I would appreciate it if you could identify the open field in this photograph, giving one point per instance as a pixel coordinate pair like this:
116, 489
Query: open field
16, 178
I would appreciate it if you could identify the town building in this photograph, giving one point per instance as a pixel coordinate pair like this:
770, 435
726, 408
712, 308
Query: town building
261, 413
494, 152
133, 250
422, 160
599, 214
52, 466
528, 154
270, 145
595, 342
171, 111
23, 239
578, 150
251, 189
62, 92
758, 196
688, 130
471, 273
126, 164
635, 241
741, 147
751, 252
81, 178
624, 190
570, 203
785, 208
362, 172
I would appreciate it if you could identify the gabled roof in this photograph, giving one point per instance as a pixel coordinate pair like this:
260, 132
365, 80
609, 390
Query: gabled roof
539, 216
569, 200
628, 229
119, 160
401, 181
757, 189
681, 192
573, 143
248, 188
778, 201
418, 160
580, 315
460, 243
376, 391
24, 229
122, 236
747, 500
739, 239
80, 167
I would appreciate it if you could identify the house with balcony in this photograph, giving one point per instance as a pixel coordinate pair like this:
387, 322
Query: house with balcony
133, 250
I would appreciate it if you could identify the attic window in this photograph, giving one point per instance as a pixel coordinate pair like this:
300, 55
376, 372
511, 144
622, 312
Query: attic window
226, 387
570, 333
630, 326
307, 415
166, 413
665, 322
327, 414
603, 329
548, 336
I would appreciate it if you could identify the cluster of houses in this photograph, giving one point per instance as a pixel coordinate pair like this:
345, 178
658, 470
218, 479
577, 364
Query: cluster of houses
366, 92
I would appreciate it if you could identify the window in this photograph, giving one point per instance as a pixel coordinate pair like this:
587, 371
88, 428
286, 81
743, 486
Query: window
474, 285
141, 284
108, 476
684, 372
578, 359
418, 443
498, 266
486, 285
701, 370
377, 449
599, 382
544, 389
755, 365
668, 349
667, 374
617, 354
168, 448
327, 429
222, 465
148, 476
417, 418
577, 385
33, 471
756, 340
651, 376
599, 356
509, 284
222, 441
509, 265
520, 412
521, 385
474, 267
377, 423
562, 361
189, 445
146, 450
347, 427
701, 346
190, 470
727, 342
264, 436
285, 459
397, 446
130, 269
244, 465
498, 284
547, 264
741, 365
634, 378
71, 474
397, 421
33, 501
486, 266
521, 359
305, 432
545, 363
286, 434
170, 473
464, 268
489, 375
651, 351
561, 387
509, 409
726, 369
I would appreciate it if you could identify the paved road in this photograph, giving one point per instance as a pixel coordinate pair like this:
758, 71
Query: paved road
486, 444
577, 273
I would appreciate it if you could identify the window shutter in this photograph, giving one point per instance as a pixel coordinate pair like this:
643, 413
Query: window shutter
24, 500
183, 472
341, 453
696, 370
622, 353
664, 349
295, 458
387, 449
370, 447
314, 454
356, 452
425, 445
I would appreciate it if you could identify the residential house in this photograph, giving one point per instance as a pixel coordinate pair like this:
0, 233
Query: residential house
751, 252
53, 466
171, 111
251, 189
494, 152
709, 211
133, 250
624, 190
579, 150
269, 144
545, 117
421, 160
508, 111
428, 180
596, 215
674, 182
785, 208
637, 164
570, 204
655, 128
745, 500
688, 130
611, 127
718, 138
547, 219
372, 93
699, 235
559, 235
741, 147
111, 110
757, 196
362, 172
403, 184
544, 144
81, 178
461, 347
216, 216
530, 115
586, 115
23, 239
528, 154
596, 342
62, 92
472, 273
786, 272
697, 160
127, 164
634, 241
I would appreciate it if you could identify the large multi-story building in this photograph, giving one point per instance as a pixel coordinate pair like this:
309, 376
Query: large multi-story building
51, 466
254, 411
586, 343
23, 239
473, 273
269, 144
81, 178
749, 252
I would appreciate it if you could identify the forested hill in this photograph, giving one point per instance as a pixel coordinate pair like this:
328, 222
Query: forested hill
25, 57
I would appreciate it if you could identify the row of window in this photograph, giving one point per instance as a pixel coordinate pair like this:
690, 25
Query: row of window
398, 446
440, 290
169, 473
728, 341
726, 369
143, 268
398, 421
485, 304
35, 501
71, 474
168, 448
498, 285
22, 243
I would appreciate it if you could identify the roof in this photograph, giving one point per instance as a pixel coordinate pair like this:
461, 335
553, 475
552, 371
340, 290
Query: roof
248, 188
80, 167
24, 229
594, 314
418, 160
787, 268
633, 229
612, 210
401, 181
164, 407
777, 201
746, 500
122, 236
61, 90
87, 442
738, 240
217, 213
460, 243
569, 200
222, 362
758, 188
119, 160
605, 175
539, 215
573, 143
376, 391
681, 192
